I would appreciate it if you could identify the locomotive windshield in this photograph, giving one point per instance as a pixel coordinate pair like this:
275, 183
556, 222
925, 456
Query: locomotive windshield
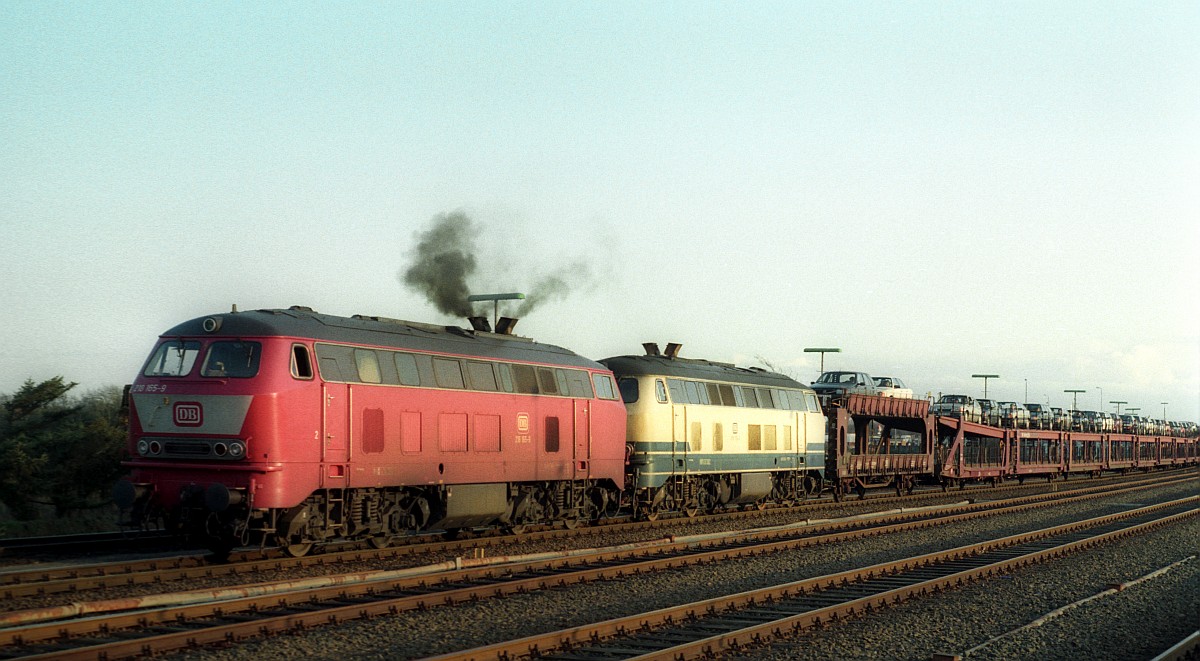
173, 358
232, 359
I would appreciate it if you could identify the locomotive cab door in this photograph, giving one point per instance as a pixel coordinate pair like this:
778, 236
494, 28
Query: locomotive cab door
583, 429
335, 441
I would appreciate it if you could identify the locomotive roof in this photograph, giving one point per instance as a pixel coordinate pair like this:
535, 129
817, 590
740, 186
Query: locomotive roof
301, 322
690, 368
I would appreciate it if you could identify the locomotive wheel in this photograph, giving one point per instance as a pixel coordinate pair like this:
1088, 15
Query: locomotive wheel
519, 529
691, 511
380, 541
298, 550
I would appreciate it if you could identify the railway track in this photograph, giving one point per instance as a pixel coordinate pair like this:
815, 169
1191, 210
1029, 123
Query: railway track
222, 617
99, 576
86, 542
706, 629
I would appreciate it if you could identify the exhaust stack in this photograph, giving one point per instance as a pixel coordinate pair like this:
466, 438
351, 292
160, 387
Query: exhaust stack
506, 325
480, 324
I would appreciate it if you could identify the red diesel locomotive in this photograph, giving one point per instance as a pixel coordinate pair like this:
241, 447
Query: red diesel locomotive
314, 427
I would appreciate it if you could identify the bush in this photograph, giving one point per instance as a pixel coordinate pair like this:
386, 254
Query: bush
59, 454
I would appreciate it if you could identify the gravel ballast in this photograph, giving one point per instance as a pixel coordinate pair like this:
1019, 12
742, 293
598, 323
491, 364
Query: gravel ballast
949, 623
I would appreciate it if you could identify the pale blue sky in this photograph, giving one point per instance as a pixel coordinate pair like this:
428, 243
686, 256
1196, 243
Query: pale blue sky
938, 188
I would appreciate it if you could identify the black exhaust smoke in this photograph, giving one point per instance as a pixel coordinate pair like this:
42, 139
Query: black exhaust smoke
443, 260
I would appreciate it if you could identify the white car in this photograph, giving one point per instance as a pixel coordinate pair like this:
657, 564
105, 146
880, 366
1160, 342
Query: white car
890, 386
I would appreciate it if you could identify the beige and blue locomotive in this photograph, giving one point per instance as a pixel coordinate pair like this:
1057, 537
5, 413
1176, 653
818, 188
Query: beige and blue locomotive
704, 435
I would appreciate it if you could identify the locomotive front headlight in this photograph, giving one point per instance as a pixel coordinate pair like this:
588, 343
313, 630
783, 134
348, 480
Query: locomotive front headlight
155, 447
143, 447
237, 450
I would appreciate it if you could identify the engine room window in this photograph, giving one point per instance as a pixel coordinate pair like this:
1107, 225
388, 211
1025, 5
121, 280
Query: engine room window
677, 394
368, 365
506, 377
448, 373
406, 367
547, 382
482, 376
525, 379
693, 395
173, 358
232, 359
714, 393
749, 398
813, 405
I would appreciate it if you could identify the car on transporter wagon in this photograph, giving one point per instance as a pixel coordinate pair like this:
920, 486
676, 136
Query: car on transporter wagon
1040, 416
963, 407
838, 384
1013, 415
890, 386
989, 411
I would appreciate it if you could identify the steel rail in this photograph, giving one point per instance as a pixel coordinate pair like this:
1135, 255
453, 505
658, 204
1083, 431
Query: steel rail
278, 612
711, 627
46, 581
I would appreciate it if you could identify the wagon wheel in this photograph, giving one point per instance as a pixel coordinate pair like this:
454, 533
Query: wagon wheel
571, 524
518, 529
691, 510
298, 550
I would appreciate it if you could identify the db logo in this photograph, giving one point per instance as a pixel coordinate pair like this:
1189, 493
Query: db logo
189, 414
523, 423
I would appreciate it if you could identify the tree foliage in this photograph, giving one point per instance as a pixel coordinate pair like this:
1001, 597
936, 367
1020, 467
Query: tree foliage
59, 450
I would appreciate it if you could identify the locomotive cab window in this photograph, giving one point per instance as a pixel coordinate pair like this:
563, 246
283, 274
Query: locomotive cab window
173, 358
629, 390
301, 362
604, 387
231, 359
